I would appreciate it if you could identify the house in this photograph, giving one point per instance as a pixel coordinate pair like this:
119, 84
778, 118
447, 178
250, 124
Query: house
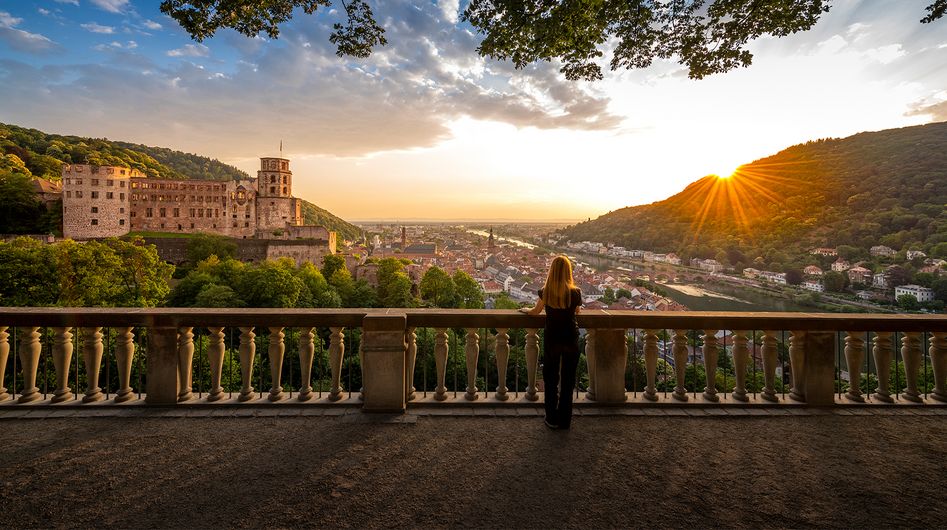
813, 285
880, 281
812, 270
823, 251
922, 294
860, 275
673, 259
914, 254
775, 277
882, 250
841, 265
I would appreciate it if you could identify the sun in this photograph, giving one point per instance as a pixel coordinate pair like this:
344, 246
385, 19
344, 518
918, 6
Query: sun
726, 173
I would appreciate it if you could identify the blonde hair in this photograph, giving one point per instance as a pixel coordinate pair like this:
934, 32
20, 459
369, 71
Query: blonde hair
557, 292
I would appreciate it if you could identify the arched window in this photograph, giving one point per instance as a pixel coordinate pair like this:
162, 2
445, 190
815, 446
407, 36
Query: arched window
284, 190
272, 189
284, 179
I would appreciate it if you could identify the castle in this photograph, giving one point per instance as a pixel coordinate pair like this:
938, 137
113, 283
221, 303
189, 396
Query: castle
111, 201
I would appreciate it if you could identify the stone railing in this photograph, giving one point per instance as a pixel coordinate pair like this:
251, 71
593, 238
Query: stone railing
814, 353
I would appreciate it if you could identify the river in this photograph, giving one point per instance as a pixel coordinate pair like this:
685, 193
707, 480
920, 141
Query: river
510, 240
727, 298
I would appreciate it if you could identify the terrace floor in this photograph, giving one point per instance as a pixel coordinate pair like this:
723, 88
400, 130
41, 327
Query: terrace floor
871, 467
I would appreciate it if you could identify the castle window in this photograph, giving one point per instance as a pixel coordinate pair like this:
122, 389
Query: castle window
246, 224
216, 212
134, 184
208, 213
192, 225
95, 195
68, 194
272, 178
162, 212
162, 225
284, 190
200, 213
121, 196
134, 214
121, 222
121, 171
95, 209
272, 189
110, 182
95, 182
284, 179
68, 181
148, 212
79, 182
110, 170
235, 225
95, 222
109, 195
121, 210
177, 212
121, 184
94, 169
285, 166
192, 213
78, 194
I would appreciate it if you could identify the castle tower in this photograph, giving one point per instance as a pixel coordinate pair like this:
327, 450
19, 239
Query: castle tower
274, 179
276, 209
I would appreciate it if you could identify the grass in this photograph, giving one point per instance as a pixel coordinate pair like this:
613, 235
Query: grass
161, 235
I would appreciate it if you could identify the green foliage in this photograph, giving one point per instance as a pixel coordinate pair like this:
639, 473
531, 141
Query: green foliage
332, 263
203, 246
469, 293
314, 215
398, 291
110, 272
438, 289
887, 187
908, 302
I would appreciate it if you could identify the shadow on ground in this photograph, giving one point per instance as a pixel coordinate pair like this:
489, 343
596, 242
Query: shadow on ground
808, 471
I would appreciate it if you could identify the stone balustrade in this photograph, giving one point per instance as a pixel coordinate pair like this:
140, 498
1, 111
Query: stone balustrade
802, 358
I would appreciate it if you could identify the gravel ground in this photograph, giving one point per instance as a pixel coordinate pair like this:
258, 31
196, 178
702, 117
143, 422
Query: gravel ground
499, 472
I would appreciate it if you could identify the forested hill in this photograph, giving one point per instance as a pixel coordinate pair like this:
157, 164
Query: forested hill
878, 188
43, 156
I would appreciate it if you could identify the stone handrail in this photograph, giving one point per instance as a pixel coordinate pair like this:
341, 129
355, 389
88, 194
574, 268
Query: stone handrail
388, 350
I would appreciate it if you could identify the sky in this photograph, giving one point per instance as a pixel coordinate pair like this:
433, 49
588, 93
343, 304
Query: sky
427, 129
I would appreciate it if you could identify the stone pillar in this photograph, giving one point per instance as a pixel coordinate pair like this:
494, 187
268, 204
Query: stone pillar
384, 351
797, 365
611, 360
62, 360
162, 379
590, 361
275, 352
819, 389
307, 351
92, 357
336, 354
679, 351
882, 352
411, 339
711, 351
4, 355
124, 355
29, 350
471, 354
650, 363
741, 354
185, 363
938, 353
502, 350
768, 352
854, 357
247, 355
215, 360
440, 361
532, 363
911, 353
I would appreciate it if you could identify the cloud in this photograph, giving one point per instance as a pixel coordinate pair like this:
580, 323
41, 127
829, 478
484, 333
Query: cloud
98, 28
190, 50
115, 45
151, 24
936, 110
44, 12
450, 9
21, 40
73, 2
112, 6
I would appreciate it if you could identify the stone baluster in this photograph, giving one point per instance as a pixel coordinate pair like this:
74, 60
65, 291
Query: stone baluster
92, 357
882, 352
854, 357
768, 352
411, 350
711, 351
440, 362
4, 355
532, 362
62, 361
911, 353
679, 351
336, 353
276, 350
590, 362
797, 365
938, 352
185, 363
215, 360
247, 356
741, 354
124, 355
307, 352
650, 363
29, 350
472, 354
502, 349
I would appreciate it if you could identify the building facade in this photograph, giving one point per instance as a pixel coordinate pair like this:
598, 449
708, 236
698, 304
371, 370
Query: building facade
103, 201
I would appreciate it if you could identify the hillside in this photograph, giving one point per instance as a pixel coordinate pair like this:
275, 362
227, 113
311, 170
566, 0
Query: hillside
878, 188
43, 156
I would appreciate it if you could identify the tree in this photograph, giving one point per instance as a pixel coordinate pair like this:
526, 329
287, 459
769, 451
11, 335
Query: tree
940, 289
203, 246
834, 281
202, 18
469, 292
623, 293
794, 276
317, 292
343, 284
213, 295
398, 291
438, 288
574, 32
608, 296
332, 263
908, 302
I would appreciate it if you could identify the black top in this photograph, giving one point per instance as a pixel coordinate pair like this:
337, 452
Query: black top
560, 323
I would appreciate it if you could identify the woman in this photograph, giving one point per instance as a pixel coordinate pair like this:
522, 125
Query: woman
561, 300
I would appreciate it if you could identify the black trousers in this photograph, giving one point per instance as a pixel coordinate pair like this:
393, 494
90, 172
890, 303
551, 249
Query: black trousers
560, 362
